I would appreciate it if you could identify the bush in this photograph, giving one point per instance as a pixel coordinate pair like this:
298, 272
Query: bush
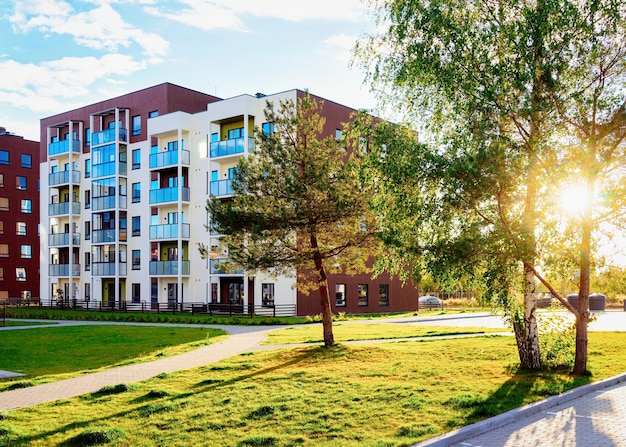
557, 340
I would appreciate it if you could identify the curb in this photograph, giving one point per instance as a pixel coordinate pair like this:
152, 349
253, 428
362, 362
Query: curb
478, 428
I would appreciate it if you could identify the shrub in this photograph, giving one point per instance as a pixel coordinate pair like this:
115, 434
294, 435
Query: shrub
557, 339
94, 437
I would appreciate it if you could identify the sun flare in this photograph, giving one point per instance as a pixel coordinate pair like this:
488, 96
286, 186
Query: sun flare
574, 199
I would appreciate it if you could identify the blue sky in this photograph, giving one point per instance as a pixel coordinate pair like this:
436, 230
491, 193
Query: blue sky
57, 55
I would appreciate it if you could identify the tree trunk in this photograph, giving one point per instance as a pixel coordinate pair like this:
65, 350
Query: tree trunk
526, 332
322, 282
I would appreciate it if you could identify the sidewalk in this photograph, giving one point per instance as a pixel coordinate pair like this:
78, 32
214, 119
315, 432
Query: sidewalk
593, 415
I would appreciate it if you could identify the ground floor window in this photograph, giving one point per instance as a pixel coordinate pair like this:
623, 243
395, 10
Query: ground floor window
267, 294
383, 295
362, 292
340, 295
214, 292
136, 292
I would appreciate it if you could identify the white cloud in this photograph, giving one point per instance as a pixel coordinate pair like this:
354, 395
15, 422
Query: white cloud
101, 28
228, 14
49, 86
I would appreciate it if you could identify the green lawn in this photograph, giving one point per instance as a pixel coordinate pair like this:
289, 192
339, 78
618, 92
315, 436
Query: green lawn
368, 331
69, 349
27, 323
390, 394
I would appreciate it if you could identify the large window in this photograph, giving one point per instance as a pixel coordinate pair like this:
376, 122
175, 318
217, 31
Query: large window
20, 183
4, 204
340, 295
235, 133
20, 273
136, 158
26, 252
4, 157
362, 292
267, 294
4, 250
136, 223
136, 125
136, 259
27, 161
27, 206
20, 228
383, 295
136, 192
136, 292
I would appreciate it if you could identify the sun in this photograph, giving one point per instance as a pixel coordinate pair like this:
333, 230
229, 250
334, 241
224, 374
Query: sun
574, 199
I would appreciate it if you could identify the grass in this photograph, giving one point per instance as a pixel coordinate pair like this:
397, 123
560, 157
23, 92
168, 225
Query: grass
390, 394
348, 332
43, 352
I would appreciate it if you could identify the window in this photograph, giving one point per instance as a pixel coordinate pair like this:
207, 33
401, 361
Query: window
1, 273
214, 176
268, 128
340, 295
215, 137
88, 168
136, 259
235, 133
136, 158
136, 192
27, 161
20, 273
1, 226
26, 252
87, 291
1, 180
4, 204
136, 222
20, 183
383, 295
87, 261
27, 206
267, 294
87, 199
136, 125
136, 292
87, 230
362, 291
153, 114
4, 157
87, 136
20, 228
338, 134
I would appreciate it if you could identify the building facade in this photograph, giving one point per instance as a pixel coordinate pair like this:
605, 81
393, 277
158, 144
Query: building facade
169, 149
19, 217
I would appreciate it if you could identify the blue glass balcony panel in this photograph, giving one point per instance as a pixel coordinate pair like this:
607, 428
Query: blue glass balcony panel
63, 147
58, 209
222, 187
60, 239
168, 267
215, 268
103, 236
163, 195
107, 169
231, 147
168, 158
63, 178
168, 231
107, 268
107, 136
63, 270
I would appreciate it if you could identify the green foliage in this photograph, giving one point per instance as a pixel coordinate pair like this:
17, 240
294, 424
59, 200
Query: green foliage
113, 389
557, 341
95, 437
20, 384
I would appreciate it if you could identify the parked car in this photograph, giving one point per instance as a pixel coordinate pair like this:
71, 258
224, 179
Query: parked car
430, 302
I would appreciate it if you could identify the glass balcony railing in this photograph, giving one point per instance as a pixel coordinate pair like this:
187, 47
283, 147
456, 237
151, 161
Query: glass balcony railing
63, 178
63, 147
108, 202
107, 136
103, 236
168, 231
107, 268
60, 239
168, 267
107, 169
230, 147
216, 267
222, 187
63, 270
162, 195
58, 209
168, 158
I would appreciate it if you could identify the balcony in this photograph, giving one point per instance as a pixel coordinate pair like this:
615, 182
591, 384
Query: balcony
163, 195
107, 268
63, 147
63, 178
168, 158
108, 202
216, 269
231, 147
62, 239
168, 231
103, 236
168, 268
108, 169
63, 208
107, 136
63, 270
222, 188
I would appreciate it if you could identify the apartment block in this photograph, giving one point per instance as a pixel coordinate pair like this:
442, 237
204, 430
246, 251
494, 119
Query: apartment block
19, 217
168, 148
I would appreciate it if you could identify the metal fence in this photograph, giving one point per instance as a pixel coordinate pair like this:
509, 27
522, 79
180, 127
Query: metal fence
278, 310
